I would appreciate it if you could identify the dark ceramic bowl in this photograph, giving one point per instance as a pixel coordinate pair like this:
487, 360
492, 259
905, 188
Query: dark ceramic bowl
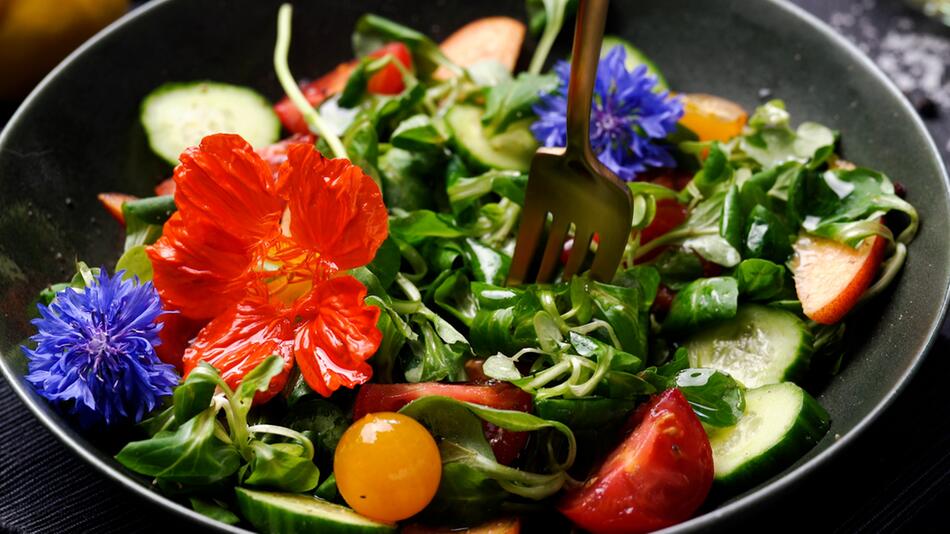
78, 134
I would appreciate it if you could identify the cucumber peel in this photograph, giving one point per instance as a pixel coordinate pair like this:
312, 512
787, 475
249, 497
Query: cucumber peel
177, 115
289, 513
781, 423
510, 150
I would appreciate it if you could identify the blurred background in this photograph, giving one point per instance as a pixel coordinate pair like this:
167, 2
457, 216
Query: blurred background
896, 476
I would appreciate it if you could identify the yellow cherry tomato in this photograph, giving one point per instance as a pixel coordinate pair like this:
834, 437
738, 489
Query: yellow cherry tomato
712, 118
387, 466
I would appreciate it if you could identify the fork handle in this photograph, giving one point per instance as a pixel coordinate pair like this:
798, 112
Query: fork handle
588, 36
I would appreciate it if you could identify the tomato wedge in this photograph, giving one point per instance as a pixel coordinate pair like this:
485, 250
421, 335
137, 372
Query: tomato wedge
391, 397
657, 477
166, 187
113, 202
315, 92
669, 215
388, 81
276, 154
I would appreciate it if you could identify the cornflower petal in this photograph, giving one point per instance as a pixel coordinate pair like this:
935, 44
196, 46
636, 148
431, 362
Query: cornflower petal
627, 116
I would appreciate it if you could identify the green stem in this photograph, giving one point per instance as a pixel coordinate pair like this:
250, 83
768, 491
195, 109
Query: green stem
596, 324
668, 238
408, 288
287, 433
552, 26
287, 81
511, 216
891, 267
238, 428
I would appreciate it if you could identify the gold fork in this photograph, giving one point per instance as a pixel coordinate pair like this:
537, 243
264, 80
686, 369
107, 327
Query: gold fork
570, 183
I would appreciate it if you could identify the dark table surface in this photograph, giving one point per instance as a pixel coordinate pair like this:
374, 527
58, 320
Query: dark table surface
895, 477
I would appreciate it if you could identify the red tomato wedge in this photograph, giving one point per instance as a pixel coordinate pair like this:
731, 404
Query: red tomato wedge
275, 155
388, 81
669, 215
391, 397
316, 92
657, 477
112, 202
166, 187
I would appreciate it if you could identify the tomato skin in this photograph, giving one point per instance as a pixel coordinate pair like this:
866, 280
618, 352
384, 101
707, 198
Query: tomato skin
388, 81
657, 477
669, 215
113, 202
712, 118
387, 466
315, 92
276, 154
166, 187
391, 397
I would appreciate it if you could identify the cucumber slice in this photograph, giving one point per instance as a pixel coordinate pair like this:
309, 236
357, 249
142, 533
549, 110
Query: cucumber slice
288, 513
781, 423
634, 58
510, 150
178, 115
760, 345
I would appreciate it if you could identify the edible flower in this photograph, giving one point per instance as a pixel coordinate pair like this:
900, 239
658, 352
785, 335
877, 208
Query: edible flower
95, 351
262, 257
626, 120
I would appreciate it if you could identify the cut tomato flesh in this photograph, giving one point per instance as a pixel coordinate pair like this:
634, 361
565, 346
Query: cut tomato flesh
830, 277
388, 81
657, 477
113, 202
315, 92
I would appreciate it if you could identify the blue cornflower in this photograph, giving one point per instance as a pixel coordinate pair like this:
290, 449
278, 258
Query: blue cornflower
95, 351
626, 117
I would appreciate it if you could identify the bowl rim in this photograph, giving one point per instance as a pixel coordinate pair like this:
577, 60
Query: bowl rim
708, 519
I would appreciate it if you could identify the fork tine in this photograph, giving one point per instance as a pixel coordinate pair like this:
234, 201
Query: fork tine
579, 251
529, 235
609, 254
553, 248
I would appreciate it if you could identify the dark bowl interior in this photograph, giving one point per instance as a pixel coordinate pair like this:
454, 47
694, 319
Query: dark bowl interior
78, 134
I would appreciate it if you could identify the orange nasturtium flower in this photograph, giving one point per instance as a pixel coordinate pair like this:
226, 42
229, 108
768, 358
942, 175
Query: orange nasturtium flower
263, 257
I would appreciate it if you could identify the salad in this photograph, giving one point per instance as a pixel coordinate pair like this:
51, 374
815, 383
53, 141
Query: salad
309, 328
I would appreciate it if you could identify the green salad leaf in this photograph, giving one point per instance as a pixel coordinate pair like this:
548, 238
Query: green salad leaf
700, 302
